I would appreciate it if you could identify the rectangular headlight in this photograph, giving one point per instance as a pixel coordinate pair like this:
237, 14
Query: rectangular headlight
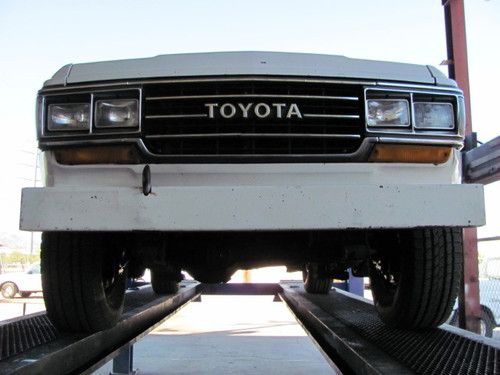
68, 117
388, 112
117, 113
434, 115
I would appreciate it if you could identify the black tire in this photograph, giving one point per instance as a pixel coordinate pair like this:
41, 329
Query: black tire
83, 281
9, 289
211, 275
25, 294
415, 278
164, 281
486, 323
315, 284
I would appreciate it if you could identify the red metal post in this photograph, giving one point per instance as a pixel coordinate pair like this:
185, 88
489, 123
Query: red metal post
469, 307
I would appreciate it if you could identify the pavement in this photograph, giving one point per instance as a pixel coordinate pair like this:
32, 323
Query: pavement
229, 335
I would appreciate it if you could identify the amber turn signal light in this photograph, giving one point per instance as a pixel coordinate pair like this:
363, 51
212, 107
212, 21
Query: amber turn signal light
391, 153
124, 154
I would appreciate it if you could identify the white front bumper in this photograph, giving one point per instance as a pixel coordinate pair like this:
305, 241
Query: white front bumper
218, 208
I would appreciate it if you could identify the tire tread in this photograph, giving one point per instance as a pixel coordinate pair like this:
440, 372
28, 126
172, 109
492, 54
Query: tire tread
430, 271
317, 285
74, 296
162, 282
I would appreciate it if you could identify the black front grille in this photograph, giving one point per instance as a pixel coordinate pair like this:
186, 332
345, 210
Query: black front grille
224, 118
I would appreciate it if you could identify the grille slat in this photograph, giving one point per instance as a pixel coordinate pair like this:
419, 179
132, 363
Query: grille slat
204, 115
221, 118
195, 115
319, 115
233, 96
254, 135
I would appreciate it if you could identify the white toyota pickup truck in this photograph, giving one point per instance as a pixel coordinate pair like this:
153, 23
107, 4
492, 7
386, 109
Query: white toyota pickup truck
214, 162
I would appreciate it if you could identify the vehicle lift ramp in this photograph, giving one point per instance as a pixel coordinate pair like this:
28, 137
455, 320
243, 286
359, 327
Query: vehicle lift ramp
345, 326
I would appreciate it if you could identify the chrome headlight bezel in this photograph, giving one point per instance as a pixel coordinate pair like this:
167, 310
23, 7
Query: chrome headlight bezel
451, 98
90, 98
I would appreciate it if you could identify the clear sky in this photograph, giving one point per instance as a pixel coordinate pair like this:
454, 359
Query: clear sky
38, 37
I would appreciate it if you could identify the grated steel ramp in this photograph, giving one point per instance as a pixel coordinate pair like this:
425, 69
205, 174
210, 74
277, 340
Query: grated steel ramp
444, 350
345, 326
20, 334
17, 336
31, 344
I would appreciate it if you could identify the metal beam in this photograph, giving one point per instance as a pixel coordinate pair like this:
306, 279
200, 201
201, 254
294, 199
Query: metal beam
482, 164
458, 70
456, 43
494, 238
242, 289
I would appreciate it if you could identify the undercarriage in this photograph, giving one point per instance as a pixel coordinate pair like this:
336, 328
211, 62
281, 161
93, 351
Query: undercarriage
214, 257
414, 272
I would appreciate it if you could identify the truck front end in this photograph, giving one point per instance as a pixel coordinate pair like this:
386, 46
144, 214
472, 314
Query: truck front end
214, 162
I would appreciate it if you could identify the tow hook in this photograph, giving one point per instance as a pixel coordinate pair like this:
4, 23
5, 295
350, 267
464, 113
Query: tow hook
146, 180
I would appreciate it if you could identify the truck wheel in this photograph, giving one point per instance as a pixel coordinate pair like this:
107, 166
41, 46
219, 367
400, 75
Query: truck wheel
211, 275
315, 284
415, 278
486, 323
9, 289
164, 281
83, 281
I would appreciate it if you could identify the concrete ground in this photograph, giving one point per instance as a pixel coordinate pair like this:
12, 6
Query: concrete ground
229, 335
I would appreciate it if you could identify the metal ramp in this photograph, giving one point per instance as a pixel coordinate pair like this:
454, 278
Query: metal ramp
348, 329
345, 327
